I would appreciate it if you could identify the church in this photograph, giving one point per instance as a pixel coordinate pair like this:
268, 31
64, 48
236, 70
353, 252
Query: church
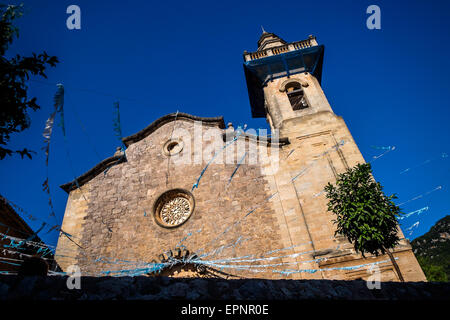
189, 196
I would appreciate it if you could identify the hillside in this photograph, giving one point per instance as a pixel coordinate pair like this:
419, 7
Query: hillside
433, 251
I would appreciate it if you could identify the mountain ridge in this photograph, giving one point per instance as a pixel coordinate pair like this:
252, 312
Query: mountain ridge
432, 250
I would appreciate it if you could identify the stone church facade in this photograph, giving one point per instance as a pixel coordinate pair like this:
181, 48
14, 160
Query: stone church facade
256, 210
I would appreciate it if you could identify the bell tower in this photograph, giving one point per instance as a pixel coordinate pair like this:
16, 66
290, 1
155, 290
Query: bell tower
284, 86
283, 80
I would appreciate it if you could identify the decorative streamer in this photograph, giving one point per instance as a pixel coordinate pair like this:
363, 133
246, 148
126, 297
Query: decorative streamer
54, 227
341, 143
249, 258
244, 259
237, 167
318, 193
150, 268
288, 248
233, 245
19, 244
168, 158
332, 269
254, 268
239, 221
297, 245
118, 133
31, 217
179, 245
58, 100
388, 149
239, 132
146, 268
241, 267
442, 156
413, 212
383, 148
141, 268
421, 195
410, 229
34, 235
11, 263
303, 171
290, 152
116, 123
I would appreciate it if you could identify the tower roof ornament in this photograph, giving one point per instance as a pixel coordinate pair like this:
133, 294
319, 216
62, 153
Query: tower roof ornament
269, 39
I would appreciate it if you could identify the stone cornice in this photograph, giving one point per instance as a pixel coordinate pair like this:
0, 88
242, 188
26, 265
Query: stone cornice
228, 136
287, 47
87, 176
215, 121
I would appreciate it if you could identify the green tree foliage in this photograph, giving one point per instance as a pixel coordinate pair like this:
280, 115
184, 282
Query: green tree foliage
14, 73
434, 273
364, 214
432, 250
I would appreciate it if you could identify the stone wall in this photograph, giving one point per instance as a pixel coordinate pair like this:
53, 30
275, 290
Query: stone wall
111, 217
164, 288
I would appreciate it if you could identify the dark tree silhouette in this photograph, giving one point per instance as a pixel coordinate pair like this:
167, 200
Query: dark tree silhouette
365, 215
14, 73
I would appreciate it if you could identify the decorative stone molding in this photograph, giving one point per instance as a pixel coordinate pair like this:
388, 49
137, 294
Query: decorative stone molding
99, 168
217, 121
264, 50
288, 82
263, 140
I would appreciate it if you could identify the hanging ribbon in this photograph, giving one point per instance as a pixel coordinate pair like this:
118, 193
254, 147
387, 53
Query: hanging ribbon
116, 124
410, 229
442, 156
34, 235
239, 132
421, 195
414, 212
388, 149
383, 148
58, 101
237, 167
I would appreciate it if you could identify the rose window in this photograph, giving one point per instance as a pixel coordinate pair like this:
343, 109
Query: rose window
173, 208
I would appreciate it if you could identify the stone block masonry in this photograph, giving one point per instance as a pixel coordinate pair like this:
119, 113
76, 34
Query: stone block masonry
165, 288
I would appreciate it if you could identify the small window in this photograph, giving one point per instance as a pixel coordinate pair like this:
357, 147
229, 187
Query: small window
172, 147
296, 96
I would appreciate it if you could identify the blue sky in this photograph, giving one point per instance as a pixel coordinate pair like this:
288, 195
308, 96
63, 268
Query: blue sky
390, 85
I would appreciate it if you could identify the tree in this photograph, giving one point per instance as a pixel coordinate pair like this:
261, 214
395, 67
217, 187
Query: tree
365, 215
14, 72
434, 273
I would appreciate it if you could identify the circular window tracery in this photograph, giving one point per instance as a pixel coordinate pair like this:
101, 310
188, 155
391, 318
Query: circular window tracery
173, 208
